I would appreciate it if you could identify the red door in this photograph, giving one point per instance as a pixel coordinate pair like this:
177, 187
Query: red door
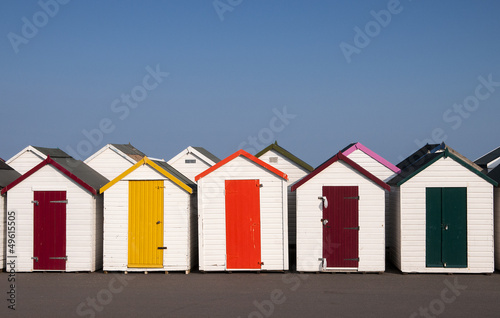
49, 230
340, 227
243, 224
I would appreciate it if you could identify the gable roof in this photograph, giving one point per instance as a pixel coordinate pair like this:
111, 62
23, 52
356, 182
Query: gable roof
423, 158
245, 154
160, 166
341, 157
357, 145
282, 151
127, 151
487, 158
200, 152
7, 174
495, 174
41, 152
76, 170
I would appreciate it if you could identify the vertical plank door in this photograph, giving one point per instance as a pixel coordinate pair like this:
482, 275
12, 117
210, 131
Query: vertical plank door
49, 230
341, 226
145, 232
243, 245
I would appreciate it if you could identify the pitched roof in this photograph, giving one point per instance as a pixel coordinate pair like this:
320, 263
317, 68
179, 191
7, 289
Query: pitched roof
130, 151
197, 151
76, 170
355, 146
495, 174
7, 174
52, 152
487, 158
160, 166
282, 151
341, 157
423, 158
207, 154
245, 154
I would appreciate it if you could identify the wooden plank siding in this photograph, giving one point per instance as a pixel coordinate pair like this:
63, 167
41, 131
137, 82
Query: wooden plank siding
371, 218
211, 211
25, 161
179, 215
84, 212
109, 164
497, 228
408, 246
373, 166
190, 170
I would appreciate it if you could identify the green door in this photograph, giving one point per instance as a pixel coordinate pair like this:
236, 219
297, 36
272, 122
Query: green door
446, 227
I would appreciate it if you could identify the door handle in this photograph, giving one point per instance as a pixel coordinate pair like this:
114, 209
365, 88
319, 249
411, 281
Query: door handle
324, 221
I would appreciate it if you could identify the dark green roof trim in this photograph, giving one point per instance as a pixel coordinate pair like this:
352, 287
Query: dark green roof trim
286, 154
447, 154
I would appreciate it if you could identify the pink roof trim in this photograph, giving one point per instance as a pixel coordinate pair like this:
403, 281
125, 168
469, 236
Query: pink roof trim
372, 154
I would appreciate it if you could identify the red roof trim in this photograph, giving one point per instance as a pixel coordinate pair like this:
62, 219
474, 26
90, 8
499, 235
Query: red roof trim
238, 153
49, 161
334, 159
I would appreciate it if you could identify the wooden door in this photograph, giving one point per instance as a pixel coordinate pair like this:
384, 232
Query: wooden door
340, 227
145, 231
446, 227
49, 230
243, 245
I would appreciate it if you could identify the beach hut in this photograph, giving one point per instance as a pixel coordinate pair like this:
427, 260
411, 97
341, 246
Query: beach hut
340, 218
58, 216
7, 175
495, 175
193, 161
295, 169
113, 159
149, 220
242, 215
441, 211
489, 161
30, 156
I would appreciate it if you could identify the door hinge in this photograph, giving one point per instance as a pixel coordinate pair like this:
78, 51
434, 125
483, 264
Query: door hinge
35, 258
35, 202
352, 259
260, 185
162, 247
352, 228
162, 187
63, 257
352, 198
61, 201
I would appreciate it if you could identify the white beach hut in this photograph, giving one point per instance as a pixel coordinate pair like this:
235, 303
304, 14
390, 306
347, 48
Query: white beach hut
193, 161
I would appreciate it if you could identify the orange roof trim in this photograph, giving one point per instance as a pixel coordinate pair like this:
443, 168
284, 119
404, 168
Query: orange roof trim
245, 154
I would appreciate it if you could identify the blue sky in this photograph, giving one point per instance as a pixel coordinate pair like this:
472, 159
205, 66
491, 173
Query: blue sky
233, 66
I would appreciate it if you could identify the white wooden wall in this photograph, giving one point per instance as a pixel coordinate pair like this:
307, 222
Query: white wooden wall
25, 162
190, 170
371, 218
295, 173
178, 237
3, 229
211, 211
446, 173
497, 228
82, 239
371, 165
109, 164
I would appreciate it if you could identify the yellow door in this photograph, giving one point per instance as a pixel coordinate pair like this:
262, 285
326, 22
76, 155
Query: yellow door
145, 225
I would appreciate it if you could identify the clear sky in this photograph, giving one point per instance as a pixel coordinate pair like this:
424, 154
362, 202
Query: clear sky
230, 74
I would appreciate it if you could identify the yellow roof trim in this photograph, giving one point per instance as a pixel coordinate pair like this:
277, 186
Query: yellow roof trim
153, 165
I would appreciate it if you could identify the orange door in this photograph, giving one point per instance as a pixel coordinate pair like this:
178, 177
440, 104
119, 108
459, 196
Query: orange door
243, 224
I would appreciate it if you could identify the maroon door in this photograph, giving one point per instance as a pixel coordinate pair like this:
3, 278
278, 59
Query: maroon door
340, 226
49, 230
